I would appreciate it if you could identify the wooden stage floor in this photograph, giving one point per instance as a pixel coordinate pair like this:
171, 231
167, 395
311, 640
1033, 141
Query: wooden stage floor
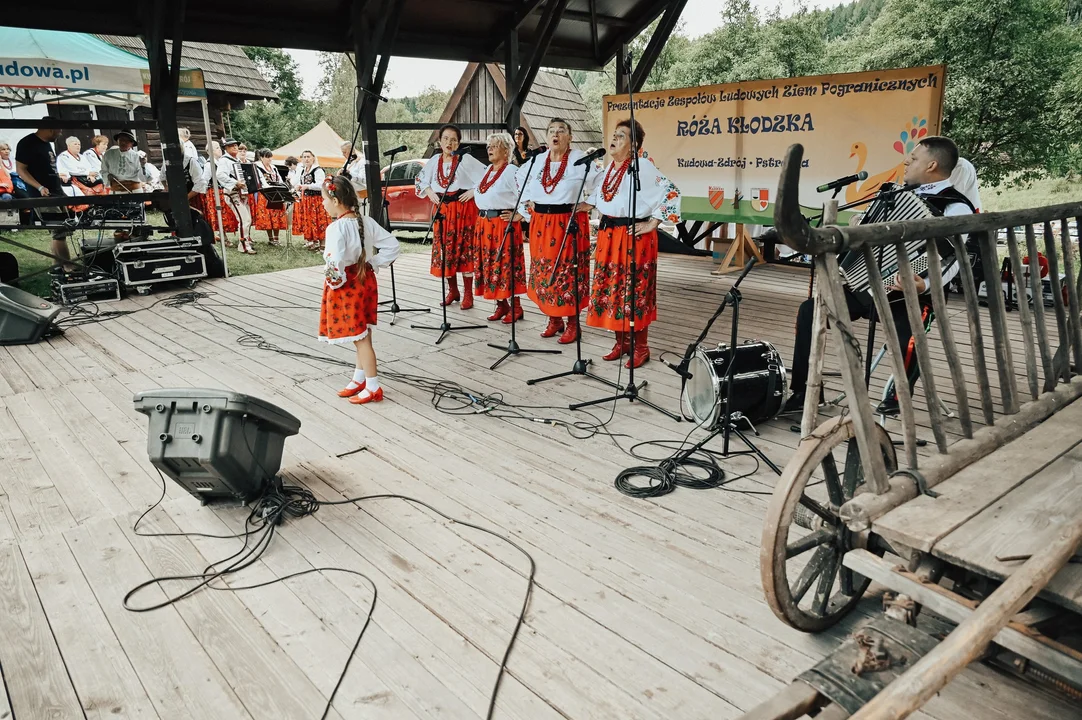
643, 608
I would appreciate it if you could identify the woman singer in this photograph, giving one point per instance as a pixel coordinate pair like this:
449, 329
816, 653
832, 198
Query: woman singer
451, 176
552, 199
309, 217
270, 219
610, 292
497, 244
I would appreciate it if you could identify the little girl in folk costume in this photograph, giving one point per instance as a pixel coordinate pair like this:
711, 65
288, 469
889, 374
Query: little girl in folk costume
350, 293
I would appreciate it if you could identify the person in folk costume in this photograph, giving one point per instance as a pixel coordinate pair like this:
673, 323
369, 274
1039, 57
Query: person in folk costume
74, 170
350, 293
453, 178
929, 165
354, 167
658, 200
495, 195
92, 157
267, 218
235, 193
309, 217
248, 158
210, 207
551, 199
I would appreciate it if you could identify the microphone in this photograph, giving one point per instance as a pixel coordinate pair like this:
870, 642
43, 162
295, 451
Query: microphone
395, 151
842, 182
464, 150
590, 157
537, 151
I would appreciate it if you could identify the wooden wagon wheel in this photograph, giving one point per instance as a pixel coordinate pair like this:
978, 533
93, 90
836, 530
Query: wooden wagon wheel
804, 539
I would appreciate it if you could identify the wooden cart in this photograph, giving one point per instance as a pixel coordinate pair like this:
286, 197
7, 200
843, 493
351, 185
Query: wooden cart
985, 527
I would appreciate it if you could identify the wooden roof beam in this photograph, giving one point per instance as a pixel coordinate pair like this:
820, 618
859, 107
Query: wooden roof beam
524, 76
657, 41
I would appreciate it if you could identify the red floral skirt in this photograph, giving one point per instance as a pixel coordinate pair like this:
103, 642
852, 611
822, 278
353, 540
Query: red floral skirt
492, 263
453, 240
610, 299
309, 218
229, 218
346, 312
555, 293
267, 218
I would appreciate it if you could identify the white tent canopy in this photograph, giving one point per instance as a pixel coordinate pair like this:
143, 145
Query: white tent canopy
321, 140
46, 66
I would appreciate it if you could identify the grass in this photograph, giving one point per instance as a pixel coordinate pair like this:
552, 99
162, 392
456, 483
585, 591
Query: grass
1047, 191
266, 259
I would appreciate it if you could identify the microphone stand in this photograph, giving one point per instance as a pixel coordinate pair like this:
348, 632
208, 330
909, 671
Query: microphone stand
513, 347
386, 222
631, 392
579, 368
445, 326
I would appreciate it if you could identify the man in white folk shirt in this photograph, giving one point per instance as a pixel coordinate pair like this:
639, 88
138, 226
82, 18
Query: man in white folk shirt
930, 165
231, 181
121, 170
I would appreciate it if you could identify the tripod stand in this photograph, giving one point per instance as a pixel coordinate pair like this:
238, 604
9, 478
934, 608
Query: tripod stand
572, 228
394, 308
445, 326
513, 347
631, 391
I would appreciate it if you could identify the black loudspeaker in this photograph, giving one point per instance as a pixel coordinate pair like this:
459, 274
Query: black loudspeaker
9, 267
216, 444
24, 318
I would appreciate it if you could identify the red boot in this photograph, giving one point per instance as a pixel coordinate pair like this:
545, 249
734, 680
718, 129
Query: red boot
642, 350
556, 324
452, 291
467, 292
619, 348
502, 308
515, 314
571, 334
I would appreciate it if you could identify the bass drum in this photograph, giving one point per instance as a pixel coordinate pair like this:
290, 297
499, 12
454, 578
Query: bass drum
759, 388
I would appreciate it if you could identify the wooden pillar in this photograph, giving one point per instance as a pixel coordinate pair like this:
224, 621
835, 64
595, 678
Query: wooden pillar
623, 72
512, 71
164, 85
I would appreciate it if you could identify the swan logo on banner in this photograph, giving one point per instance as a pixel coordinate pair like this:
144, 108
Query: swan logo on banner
716, 196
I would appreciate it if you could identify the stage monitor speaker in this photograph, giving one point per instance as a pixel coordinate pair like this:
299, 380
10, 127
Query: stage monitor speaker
24, 318
215, 444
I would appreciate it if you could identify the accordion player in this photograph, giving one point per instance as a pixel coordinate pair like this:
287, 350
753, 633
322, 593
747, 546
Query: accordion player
928, 169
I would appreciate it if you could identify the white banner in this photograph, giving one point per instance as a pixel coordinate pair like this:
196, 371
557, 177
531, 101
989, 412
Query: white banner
54, 75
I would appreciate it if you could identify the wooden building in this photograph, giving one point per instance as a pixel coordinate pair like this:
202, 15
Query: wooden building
231, 80
482, 92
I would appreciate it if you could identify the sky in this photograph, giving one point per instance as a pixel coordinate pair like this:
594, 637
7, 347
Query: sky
410, 76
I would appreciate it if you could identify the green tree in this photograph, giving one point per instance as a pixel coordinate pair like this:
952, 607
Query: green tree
272, 124
1009, 69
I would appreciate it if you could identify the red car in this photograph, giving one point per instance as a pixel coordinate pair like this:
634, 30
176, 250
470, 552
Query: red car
405, 210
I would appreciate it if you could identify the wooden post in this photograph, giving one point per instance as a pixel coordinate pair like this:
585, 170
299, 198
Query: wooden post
968, 641
1039, 323
875, 470
997, 313
740, 249
810, 418
897, 357
1020, 287
946, 335
1074, 326
920, 342
976, 336
1064, 328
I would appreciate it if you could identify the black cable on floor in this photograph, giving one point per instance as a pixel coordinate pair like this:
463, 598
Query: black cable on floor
278, 503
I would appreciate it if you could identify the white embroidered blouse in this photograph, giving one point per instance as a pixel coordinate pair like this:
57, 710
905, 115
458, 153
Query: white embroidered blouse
344, 244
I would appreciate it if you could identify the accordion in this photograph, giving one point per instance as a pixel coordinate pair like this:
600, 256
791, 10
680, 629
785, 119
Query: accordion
890, 206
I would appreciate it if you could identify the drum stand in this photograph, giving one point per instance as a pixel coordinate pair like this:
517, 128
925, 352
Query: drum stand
394, 308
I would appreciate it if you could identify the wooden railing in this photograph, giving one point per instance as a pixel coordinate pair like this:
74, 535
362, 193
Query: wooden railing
1051, 358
